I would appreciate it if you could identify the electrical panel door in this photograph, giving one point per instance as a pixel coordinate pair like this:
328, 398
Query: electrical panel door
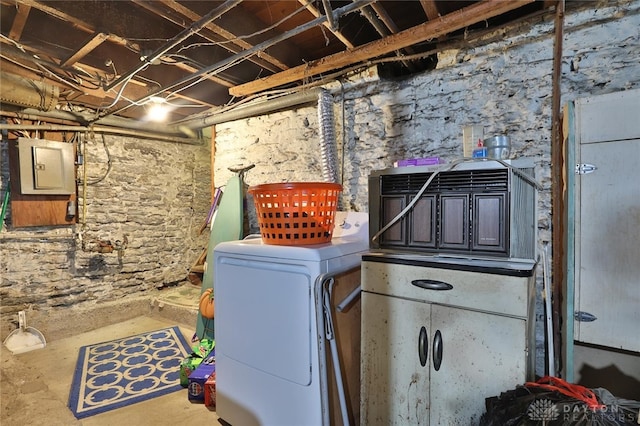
46, 167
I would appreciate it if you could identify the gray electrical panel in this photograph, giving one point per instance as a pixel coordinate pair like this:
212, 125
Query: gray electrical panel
46, 167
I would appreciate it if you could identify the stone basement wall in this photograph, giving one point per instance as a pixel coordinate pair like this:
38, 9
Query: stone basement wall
154, 194
157, 193
504, 85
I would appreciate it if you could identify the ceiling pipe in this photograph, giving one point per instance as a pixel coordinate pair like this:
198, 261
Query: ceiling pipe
87, 118
258, 108
352, 7
11, 52
330, 17
19, 91
315, 12
102, 129
185, 34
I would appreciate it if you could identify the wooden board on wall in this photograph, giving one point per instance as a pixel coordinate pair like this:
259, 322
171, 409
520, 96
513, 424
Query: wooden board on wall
35, 210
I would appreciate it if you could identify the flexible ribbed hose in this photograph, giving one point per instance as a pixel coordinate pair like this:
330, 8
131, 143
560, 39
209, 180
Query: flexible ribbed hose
327, 137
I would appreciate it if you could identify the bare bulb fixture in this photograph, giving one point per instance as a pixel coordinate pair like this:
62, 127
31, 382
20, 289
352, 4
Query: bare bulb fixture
158, 110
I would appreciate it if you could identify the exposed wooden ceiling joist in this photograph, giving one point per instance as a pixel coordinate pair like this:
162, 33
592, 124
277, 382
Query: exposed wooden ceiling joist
349, 8
384, 29
211, 32
315, 12
107, 56
386, 19
94, 40
429, 30
113, 38
430, 9
20, 20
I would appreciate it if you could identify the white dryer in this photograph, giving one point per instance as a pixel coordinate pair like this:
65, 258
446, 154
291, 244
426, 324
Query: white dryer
269, 328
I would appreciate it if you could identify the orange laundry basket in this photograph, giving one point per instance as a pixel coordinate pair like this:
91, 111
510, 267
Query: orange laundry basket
297, 213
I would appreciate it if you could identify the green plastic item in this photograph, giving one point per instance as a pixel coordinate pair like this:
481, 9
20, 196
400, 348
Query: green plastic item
227, 226
5, 202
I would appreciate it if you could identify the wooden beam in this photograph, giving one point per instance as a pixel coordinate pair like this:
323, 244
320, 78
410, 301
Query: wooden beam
385, 17
557, 185
315, 12
72, 21
429, 30
94, 41
430, 9
211, 32
136, 88
19, 21
83, 26
189, 69
388, 22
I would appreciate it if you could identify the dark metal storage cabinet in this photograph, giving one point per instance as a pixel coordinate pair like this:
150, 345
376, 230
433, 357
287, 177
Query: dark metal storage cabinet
484, 208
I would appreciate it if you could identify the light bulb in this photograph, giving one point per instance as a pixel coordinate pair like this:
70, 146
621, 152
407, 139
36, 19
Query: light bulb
158, 110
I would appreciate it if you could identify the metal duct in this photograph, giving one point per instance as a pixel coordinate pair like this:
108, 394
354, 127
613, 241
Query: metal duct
86, 119
20, 91
256, 109
102, 129
327, 136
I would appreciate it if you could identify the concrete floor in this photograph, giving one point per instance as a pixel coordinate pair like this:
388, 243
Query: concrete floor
34, 386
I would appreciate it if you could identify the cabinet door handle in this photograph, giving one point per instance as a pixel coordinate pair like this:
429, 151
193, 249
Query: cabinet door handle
432, 284
423, 346
437, 350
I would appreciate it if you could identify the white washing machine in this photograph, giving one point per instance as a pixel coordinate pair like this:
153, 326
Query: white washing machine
269, 330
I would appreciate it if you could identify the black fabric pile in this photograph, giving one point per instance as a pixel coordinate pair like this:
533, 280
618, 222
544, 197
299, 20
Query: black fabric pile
531, 405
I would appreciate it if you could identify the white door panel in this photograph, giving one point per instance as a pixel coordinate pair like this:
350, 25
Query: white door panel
395, 385
475, 346
607, 262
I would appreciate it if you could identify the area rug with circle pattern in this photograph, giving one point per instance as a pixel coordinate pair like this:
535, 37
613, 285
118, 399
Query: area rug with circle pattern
126, 371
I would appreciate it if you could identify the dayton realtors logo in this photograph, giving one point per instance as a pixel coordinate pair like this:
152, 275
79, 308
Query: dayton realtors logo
545, 410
